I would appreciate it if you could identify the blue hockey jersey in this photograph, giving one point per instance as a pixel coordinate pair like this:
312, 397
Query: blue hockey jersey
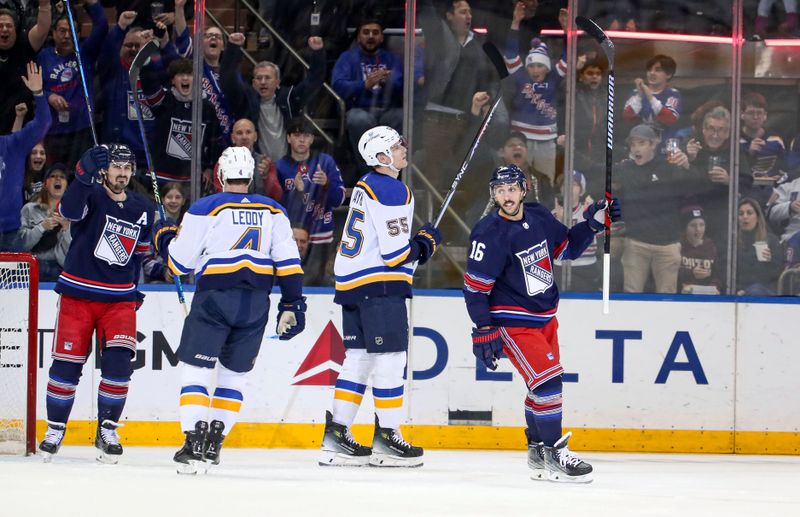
509, 279
109, 239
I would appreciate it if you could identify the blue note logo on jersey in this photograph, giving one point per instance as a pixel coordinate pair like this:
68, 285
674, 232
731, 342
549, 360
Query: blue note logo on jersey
537, 267
117, 241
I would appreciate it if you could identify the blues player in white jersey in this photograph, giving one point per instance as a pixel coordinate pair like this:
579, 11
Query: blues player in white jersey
512, 299
374, 268
238, 246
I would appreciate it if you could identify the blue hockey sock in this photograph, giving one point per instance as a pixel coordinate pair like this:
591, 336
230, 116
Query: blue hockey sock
61, 388
116, 369
545, 409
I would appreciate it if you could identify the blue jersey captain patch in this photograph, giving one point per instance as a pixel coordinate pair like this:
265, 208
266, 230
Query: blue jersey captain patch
117, 243
537, 267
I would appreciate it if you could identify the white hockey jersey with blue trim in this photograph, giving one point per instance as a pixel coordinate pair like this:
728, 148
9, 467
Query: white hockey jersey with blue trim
375, 241
232, 240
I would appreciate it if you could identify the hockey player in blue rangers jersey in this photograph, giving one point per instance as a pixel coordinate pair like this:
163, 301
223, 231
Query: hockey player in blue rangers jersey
512, 298
111, 230
374, 268
237, 244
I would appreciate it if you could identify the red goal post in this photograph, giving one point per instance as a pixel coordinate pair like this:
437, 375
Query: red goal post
19, 330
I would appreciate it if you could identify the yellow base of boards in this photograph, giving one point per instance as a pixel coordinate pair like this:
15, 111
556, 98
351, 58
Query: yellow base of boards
245, 434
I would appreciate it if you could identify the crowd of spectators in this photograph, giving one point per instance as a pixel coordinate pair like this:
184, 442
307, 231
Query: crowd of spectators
674, 182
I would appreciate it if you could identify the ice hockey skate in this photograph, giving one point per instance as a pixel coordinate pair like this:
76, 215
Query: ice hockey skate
564, 466
536, 458
214, 442
389, 449
52, 440
107, 442
339, 448
190, 457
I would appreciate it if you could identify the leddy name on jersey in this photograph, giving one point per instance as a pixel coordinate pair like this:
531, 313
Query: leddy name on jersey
247, 217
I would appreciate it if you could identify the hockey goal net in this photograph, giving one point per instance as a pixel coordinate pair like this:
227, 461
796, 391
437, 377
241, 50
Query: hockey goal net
19, 294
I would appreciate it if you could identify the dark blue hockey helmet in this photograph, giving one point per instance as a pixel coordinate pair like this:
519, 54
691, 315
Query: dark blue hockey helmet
506, 174
121, 153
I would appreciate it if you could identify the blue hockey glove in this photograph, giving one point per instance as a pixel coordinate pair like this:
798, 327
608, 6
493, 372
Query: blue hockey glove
291, 318
164, 230
487, 345
596, 216
428, 238
92, 161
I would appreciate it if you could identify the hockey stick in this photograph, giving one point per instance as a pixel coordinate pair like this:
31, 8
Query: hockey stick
592, 29
499, 64
149, 50
89, 109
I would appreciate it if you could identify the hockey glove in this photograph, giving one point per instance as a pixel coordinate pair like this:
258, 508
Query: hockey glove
291, 318
93, 161
164, 230
428, 239
596, 217
487, 345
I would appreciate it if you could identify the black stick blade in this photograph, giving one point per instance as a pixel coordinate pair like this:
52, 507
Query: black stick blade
496, 58
149, 50
594, 30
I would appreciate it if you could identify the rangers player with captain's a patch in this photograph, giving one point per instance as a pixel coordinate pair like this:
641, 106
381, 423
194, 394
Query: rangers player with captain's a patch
111, 229
512, 298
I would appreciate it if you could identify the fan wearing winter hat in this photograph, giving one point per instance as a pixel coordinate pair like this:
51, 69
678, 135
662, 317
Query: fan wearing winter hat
698, 255
536, 84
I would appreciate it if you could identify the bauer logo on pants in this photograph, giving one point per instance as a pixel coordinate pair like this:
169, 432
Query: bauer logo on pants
537, 267
117, 242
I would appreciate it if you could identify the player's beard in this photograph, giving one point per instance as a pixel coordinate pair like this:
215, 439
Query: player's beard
510, 214
119, 186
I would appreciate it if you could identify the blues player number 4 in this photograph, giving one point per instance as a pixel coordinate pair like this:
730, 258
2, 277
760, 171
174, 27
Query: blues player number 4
250, 239
353, 239
476, 253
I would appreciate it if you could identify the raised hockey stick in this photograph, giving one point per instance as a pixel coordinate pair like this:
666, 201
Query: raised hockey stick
499, 64
89, 109
149, 50
593, 30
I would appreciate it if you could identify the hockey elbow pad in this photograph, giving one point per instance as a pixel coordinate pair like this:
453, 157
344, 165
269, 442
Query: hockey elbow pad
291, 318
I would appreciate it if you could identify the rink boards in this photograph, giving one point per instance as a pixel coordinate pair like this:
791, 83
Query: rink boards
709, 375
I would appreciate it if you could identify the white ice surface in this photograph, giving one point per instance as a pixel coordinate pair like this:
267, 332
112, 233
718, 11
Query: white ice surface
255, 482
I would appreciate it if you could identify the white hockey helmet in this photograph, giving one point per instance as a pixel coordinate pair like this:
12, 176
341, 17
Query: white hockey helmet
235, 163
377, 140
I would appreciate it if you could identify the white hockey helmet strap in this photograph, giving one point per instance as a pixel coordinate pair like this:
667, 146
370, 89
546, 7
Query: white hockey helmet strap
235, 163
379, 139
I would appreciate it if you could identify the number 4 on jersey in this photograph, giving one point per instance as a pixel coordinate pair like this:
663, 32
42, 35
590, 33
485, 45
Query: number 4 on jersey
250, 239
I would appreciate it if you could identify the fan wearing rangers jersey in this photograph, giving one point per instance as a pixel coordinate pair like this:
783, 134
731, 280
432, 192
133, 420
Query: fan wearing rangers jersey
653, 100
111, 230
374, 268
238, 245
512, 299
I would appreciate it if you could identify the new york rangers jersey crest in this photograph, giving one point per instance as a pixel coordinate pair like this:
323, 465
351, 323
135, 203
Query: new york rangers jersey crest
117, 241
538, 269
